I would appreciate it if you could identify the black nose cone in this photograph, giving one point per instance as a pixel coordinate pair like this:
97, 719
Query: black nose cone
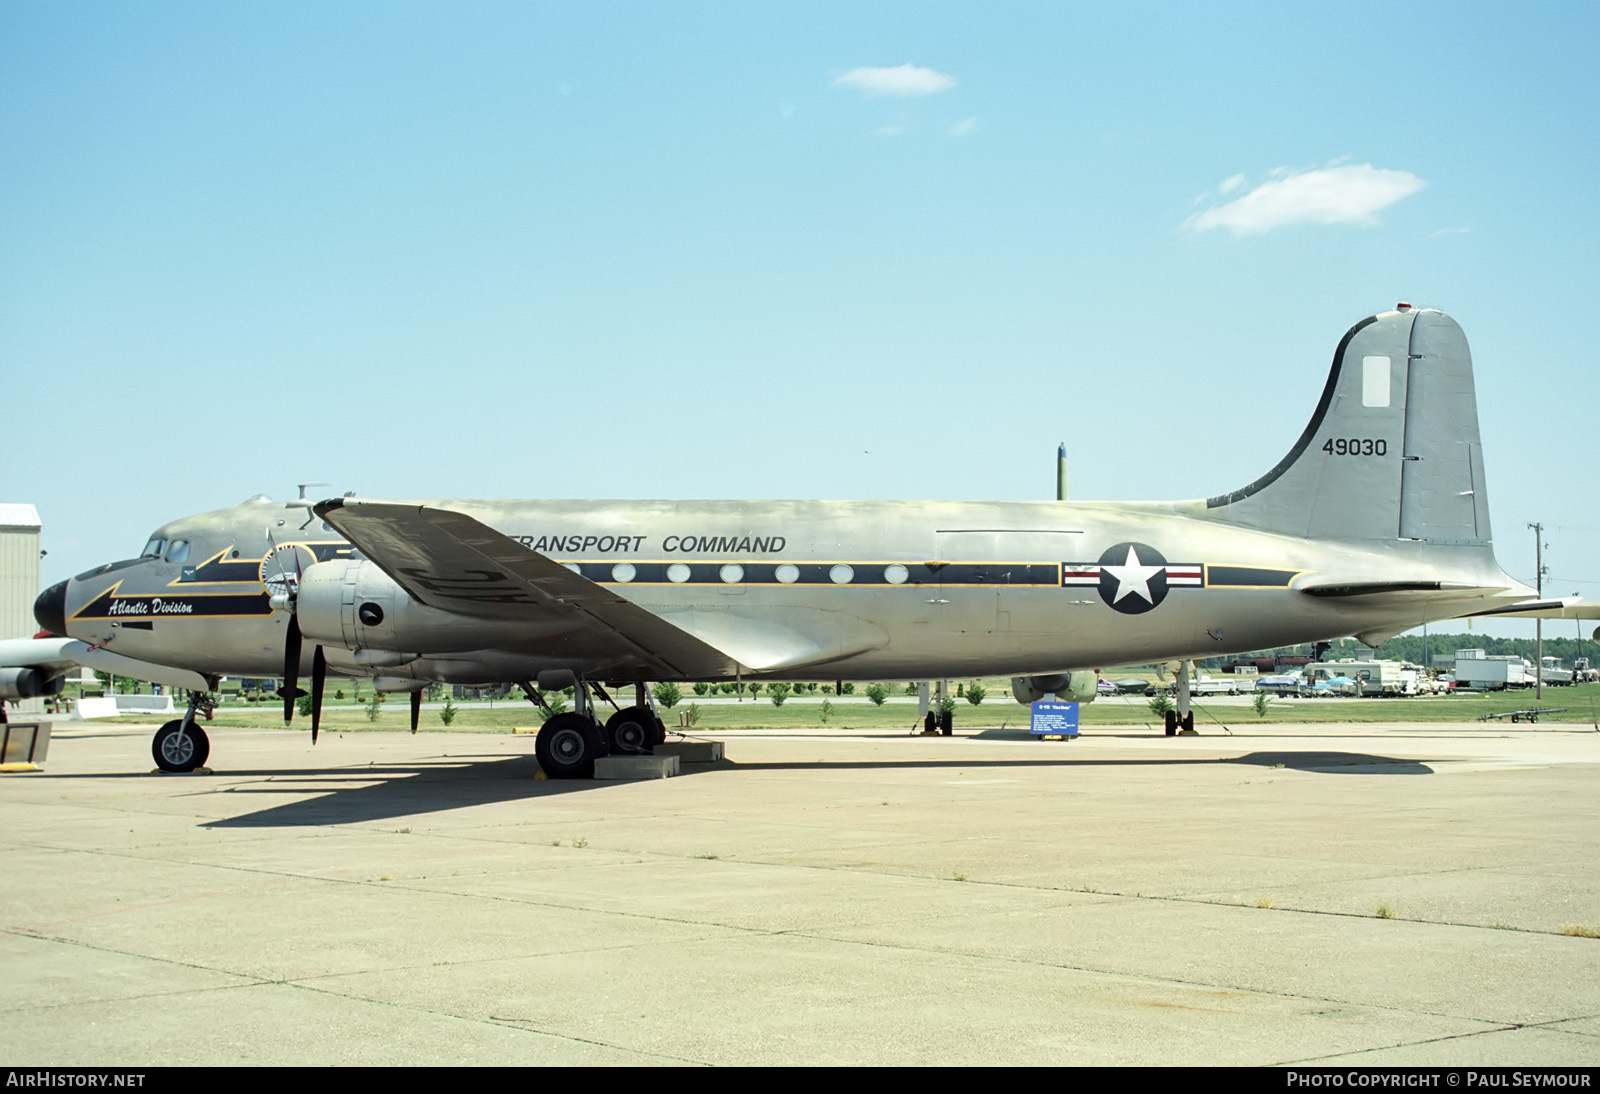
50, 609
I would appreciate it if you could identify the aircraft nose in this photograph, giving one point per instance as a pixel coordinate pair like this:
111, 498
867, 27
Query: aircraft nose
50, 609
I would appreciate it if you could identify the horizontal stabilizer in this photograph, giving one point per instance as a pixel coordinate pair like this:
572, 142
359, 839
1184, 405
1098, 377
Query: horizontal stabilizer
1373, 588
1568, 607
58, 656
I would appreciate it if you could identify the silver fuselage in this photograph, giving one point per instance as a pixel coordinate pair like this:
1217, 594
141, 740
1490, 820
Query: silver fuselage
875, 590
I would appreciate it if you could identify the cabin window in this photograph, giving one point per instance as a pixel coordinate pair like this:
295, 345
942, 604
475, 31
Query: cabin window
678, 573
623, 572
841, 574
732, 573
787, 574
895, 574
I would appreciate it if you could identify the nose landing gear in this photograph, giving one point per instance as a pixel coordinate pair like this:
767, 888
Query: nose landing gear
180, 746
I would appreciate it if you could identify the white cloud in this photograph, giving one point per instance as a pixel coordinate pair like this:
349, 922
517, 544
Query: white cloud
1327, 195
892, 130
1451, 232
905, 80
1229, 185
963, 127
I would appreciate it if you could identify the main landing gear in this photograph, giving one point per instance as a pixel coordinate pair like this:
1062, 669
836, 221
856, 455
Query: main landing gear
181, 746
1180, 722
569, 743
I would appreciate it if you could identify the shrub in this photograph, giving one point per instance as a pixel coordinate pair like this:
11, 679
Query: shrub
701, 688
1161, 705
667, 694
778, 693
877, 693
976, 693
374, 710
448, 712
1260, 703
827, 709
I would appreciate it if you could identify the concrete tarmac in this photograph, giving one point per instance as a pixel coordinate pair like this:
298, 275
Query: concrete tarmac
1298, 895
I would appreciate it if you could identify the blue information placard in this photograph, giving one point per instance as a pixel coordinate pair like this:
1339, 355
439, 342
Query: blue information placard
1054, 719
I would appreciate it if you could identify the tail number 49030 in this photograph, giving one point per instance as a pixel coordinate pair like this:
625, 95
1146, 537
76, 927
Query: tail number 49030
1356, 446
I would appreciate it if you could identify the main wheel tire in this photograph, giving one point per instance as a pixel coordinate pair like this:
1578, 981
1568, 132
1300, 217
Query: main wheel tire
180, 754
635, 729
567, 747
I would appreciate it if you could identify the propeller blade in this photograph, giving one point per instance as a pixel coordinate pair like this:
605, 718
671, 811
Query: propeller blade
291, 670
319, 676
416, 709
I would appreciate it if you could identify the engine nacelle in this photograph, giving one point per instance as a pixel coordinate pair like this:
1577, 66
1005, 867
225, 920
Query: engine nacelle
1069, 687
354, 604
23, 683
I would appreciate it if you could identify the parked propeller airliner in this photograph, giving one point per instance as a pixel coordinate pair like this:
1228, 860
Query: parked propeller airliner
1375, 522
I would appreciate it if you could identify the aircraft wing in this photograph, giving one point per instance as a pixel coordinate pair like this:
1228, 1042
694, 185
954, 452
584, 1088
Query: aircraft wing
58, 656
451, 562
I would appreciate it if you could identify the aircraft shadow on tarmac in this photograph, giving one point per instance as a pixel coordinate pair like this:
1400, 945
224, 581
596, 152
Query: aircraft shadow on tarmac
395, 790
405, 790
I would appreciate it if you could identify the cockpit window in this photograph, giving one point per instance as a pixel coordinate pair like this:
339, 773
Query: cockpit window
179, 551
154, 548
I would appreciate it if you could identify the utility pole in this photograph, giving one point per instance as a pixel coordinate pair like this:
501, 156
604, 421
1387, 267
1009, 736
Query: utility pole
1538, 624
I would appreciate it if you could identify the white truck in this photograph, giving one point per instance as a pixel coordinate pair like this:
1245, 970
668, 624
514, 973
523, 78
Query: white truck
1486, 672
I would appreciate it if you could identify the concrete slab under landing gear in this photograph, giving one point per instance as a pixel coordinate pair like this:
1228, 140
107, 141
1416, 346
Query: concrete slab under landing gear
636, 767
692, 752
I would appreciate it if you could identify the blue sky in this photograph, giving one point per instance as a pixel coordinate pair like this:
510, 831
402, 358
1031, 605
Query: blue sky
751, 250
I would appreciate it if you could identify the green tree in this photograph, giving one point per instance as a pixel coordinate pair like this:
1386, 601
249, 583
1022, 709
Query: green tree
448, 712
877, 693
667, 694
976, 692
778, 693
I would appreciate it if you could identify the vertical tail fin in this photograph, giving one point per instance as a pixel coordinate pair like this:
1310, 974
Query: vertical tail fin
1392, 451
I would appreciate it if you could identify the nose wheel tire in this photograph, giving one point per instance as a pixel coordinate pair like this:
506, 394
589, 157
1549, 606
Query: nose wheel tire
567, 747
177, 752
